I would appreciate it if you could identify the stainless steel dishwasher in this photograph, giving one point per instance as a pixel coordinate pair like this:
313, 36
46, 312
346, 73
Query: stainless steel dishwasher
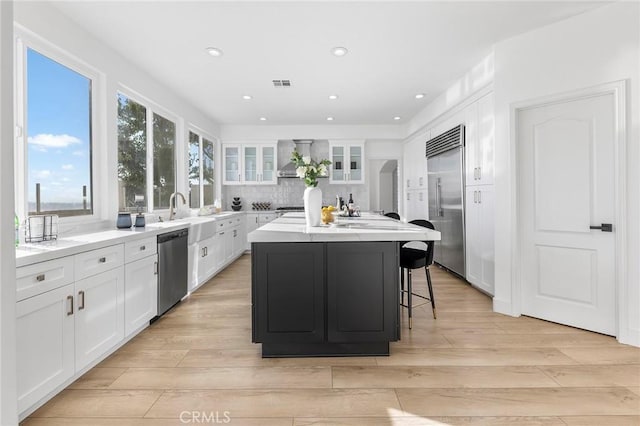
172, 269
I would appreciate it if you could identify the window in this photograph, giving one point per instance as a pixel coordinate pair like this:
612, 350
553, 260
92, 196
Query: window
132, 155
140, 131
57, 127
201, 171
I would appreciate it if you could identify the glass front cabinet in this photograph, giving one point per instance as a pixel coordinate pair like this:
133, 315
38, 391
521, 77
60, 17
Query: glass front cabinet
347, 162
250, 164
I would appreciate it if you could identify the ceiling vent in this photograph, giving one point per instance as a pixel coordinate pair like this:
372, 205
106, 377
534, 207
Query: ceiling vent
281, 83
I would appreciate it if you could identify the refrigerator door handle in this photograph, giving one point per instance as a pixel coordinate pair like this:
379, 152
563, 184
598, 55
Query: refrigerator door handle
438, 197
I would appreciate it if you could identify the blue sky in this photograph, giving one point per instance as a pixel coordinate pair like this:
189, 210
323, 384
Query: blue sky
58, 130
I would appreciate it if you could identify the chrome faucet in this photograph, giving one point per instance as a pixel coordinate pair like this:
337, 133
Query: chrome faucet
172, 204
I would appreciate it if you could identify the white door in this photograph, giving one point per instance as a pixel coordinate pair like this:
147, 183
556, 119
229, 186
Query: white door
566, 185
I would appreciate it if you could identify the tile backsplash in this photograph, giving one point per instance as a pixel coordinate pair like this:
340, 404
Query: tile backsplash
289, 192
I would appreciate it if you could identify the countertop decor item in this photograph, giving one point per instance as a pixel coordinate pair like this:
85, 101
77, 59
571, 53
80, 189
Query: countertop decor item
124, 220
309, 171
236, 204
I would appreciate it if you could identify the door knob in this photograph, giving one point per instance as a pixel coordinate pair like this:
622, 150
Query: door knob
605, 227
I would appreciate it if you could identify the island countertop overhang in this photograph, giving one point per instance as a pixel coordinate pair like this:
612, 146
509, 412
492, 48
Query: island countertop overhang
291, 227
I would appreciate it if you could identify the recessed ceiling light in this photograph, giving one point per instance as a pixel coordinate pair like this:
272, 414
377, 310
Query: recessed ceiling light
333, 97
214, 51
420, 96
329, 118
263, 118
396, 118
247, 97
339, 51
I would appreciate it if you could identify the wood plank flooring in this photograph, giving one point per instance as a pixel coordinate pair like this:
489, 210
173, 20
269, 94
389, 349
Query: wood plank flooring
197, 365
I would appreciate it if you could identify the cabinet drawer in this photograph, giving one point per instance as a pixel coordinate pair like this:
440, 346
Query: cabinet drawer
97, 261
266, 217
44, 276
140, 249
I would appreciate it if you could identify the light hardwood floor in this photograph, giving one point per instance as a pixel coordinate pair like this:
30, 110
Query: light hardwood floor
468, 367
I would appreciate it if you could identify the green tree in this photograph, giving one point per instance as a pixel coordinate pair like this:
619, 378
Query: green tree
132, 151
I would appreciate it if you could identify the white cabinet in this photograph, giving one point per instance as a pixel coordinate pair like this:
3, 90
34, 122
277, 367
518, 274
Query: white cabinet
479, 141
140, 292
479, 218
255, 220
206, 259
250, 164
416, 205
99, 318
415, 164
347, 162
45, 340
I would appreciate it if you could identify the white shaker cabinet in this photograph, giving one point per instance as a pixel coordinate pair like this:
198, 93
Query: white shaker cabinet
206, 259
479, 141
140, 293
99, 320
347, 162
479, 216
45, 339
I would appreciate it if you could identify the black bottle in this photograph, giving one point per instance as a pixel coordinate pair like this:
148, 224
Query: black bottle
351, 206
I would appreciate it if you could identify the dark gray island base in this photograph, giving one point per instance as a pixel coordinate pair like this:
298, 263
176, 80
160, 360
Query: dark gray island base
325, 298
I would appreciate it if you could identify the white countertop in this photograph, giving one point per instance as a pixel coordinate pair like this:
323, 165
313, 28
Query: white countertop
370, 227
27, 254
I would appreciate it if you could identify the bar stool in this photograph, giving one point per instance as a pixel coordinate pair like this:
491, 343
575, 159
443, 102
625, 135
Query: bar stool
414, 258
393, 215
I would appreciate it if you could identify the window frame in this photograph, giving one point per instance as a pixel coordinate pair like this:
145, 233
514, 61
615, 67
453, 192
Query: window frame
25, 39
151, 109
201, 136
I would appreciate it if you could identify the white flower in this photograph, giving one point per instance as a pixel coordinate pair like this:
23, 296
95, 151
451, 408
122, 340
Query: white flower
311, 169
322, 169
306, 160
301, 171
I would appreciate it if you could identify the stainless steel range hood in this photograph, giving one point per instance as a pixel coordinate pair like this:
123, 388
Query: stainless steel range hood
303, 146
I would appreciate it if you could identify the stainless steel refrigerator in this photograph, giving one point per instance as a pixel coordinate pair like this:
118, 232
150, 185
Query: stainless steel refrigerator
445, 171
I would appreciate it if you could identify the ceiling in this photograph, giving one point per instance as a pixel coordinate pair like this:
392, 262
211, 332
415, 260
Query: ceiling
396, 50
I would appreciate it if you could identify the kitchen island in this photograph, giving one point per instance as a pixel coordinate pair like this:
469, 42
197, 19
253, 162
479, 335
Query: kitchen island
330, 290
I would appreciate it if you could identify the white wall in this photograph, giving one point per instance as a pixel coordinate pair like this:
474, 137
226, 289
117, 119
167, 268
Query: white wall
596, 47
8, 401
47, 22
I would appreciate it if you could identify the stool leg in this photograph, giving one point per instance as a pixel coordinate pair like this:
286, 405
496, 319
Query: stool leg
433, 301
409, 292
402, 286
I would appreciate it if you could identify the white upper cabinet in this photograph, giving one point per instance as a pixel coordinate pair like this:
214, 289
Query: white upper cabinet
347, 162
231, 166
479, 141
250, 164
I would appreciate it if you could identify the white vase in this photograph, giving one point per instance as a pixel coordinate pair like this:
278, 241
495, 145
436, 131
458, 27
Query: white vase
312, 205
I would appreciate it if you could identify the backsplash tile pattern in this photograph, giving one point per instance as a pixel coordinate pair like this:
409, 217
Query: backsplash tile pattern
289, 192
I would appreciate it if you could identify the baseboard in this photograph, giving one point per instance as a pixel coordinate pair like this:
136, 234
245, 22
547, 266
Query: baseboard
629, 336
503, 307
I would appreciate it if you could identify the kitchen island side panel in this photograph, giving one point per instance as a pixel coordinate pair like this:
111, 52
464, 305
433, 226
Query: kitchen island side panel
288, 292
362, 291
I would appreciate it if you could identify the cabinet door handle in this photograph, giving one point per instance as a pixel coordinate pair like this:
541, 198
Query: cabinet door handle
479, 197
40, 277
70, 309
81, 300
238, 177
102, 260
143, 248
155, 268
408, 196
206, 251
475, 196
480, 173
408, 183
